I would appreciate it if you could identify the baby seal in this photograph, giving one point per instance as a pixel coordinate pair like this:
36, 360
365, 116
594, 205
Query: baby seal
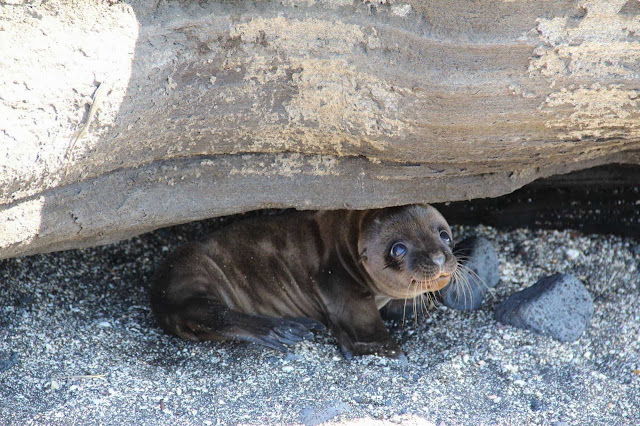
270, 280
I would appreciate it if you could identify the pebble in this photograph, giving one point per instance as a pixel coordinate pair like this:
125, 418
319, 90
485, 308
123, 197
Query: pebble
494, 398
572, 254
7, 360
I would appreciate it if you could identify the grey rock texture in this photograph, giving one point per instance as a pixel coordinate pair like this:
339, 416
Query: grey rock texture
558, 306
478, 273
122, 117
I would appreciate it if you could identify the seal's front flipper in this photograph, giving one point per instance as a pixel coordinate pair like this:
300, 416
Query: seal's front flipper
356, 341
355, 320
206, 319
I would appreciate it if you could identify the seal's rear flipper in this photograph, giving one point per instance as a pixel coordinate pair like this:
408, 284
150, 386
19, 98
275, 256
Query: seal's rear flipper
206, 319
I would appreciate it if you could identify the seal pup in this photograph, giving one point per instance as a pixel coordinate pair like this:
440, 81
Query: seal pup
273, 280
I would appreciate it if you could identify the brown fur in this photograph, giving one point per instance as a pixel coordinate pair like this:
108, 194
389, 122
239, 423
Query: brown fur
262, 280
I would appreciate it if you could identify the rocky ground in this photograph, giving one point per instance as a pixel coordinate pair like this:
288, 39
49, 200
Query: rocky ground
78, 345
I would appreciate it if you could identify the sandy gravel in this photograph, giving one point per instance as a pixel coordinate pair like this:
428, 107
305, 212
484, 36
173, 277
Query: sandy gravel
88, 351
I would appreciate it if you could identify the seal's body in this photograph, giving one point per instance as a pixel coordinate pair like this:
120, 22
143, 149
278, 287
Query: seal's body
270, 280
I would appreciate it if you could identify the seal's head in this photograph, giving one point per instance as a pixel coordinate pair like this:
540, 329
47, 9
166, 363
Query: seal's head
407, 250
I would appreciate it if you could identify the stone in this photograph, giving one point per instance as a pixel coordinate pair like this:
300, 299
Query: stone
8, 360
478, 255
572, 254
164, 113
558, 306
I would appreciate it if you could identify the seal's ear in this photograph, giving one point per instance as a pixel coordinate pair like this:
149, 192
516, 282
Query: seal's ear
363, 257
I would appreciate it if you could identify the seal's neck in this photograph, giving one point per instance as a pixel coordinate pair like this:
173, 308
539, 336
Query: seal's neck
349, 227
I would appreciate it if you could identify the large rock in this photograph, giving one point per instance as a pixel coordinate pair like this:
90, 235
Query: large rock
478, 272
210, 108
558, 306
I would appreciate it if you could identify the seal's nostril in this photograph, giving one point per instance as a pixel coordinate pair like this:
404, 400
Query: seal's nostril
438, 258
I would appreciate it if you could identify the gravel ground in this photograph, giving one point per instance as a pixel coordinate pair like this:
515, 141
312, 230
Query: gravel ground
78, 344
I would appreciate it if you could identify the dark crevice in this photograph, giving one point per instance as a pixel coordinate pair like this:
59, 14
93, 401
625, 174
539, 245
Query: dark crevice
601, 200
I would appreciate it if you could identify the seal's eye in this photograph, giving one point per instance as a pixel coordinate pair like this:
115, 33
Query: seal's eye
398, 250
445, 237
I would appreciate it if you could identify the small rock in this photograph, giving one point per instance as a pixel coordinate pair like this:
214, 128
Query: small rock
536, 405
479, 272
7, 360
494, 398
287, 369
402, 360
572, 254
104, 324
558, 306
402, 309
311, 416
273, 359
291, 357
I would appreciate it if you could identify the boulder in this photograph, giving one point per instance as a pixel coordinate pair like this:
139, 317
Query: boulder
119, 118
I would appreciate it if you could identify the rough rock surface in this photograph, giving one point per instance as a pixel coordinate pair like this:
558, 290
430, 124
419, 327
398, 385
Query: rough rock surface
558, 306
121, 117
479, 273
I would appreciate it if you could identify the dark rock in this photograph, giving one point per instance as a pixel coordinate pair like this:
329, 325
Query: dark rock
635, 249
480, 272
7, 360
401, 309
273, 360
536, 405
24, 300
315, 416
558, 306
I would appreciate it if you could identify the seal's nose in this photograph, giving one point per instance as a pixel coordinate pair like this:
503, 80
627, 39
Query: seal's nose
438, 258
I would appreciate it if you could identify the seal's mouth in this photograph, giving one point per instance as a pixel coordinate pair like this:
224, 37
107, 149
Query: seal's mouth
440, 283
435, 284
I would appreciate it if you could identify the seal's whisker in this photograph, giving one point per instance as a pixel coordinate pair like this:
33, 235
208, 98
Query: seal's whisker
462, 286
404, 308
472, 273
404, 311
